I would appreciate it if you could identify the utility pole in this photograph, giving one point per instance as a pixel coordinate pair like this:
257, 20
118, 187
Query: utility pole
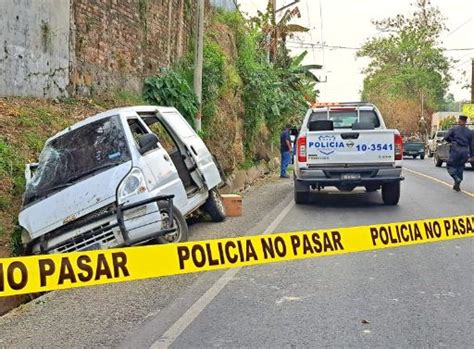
472, 81
274, 36
273, 49
198, 60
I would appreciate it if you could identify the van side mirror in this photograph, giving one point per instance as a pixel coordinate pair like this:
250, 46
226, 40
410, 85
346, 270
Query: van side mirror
147, 142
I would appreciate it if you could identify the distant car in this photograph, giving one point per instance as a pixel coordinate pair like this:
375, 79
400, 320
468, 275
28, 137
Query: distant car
414, 149
435, 140
441, 153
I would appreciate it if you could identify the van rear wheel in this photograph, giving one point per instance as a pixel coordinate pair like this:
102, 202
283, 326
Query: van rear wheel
181, 233
214, 206
391, 193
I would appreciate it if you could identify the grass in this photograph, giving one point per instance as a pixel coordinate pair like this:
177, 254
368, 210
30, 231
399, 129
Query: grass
34, 141
30, 122
247, 164
119, 99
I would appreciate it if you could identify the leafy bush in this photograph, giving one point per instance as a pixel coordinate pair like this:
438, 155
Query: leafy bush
173, 90
213, 78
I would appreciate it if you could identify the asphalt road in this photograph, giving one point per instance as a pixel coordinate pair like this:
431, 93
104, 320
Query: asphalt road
403, 297
406, 297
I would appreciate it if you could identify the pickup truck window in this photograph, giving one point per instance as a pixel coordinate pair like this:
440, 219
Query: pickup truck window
345, 118
74, 155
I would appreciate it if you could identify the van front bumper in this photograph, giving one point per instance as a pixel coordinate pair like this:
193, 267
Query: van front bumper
124, 225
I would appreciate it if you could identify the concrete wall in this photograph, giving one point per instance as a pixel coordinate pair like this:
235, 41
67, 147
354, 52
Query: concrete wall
34, 47
51, 48
117, 43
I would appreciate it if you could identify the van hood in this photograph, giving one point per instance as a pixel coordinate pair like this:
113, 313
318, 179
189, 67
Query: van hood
73, 202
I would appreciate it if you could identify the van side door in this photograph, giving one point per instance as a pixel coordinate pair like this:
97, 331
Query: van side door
179, 128
162, 176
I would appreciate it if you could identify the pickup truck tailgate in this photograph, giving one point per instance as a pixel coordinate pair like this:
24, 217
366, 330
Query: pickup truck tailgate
350, 147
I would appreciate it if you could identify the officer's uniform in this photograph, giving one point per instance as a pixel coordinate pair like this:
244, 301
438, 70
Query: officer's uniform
461, 139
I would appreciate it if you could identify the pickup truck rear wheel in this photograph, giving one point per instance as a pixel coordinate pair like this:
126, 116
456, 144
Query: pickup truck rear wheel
391, 193
301, 197
438, 162
181, 233
214, 206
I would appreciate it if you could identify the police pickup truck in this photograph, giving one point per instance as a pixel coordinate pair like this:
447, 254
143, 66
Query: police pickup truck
346, 145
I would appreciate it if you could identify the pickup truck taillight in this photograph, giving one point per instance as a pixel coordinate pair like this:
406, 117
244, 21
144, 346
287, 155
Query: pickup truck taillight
398, 147
301, 148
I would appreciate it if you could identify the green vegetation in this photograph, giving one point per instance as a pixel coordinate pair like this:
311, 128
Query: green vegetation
11, 167
171, 89
119, 98
448, 122
273, 93
407, 65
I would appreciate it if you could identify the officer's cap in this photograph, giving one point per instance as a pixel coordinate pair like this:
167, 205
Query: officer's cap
463, 117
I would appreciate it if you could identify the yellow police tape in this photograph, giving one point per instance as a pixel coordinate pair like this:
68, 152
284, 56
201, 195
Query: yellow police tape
60, 271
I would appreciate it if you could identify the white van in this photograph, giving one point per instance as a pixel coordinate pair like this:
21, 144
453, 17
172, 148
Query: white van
122, 177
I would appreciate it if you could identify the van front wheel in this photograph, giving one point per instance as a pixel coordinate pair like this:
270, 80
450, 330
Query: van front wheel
181, 233
214, 206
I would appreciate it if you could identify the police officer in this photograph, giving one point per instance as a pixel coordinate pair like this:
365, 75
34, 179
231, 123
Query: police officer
461, 139
285, 151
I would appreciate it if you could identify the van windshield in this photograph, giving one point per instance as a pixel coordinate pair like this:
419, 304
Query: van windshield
77, 154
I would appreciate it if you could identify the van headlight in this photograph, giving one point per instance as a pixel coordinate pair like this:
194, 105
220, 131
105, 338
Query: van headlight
133, 184
25, 237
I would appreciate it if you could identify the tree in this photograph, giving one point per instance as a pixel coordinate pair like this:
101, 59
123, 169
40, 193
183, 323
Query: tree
277, 31
406, 62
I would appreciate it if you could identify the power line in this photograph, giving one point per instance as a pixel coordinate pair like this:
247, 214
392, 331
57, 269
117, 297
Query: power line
322, 35
462, 63
457, 28
310, 26
309, 45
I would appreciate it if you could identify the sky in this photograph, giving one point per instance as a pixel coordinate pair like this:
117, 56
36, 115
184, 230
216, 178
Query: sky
348, 23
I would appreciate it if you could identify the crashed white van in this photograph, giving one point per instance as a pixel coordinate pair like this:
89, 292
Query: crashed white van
119, 178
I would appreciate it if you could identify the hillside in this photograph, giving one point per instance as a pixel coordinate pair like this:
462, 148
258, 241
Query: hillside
246, 101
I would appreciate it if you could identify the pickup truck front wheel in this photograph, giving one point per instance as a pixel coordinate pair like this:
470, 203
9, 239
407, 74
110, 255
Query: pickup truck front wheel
391, 193
181, 233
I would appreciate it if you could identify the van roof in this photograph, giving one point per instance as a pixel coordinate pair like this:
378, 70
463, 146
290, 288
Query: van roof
112, 112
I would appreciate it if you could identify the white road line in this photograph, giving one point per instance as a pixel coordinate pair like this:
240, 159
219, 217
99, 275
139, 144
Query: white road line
436, 180
193, 312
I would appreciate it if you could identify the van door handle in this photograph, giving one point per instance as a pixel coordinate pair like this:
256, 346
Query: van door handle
194, 150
